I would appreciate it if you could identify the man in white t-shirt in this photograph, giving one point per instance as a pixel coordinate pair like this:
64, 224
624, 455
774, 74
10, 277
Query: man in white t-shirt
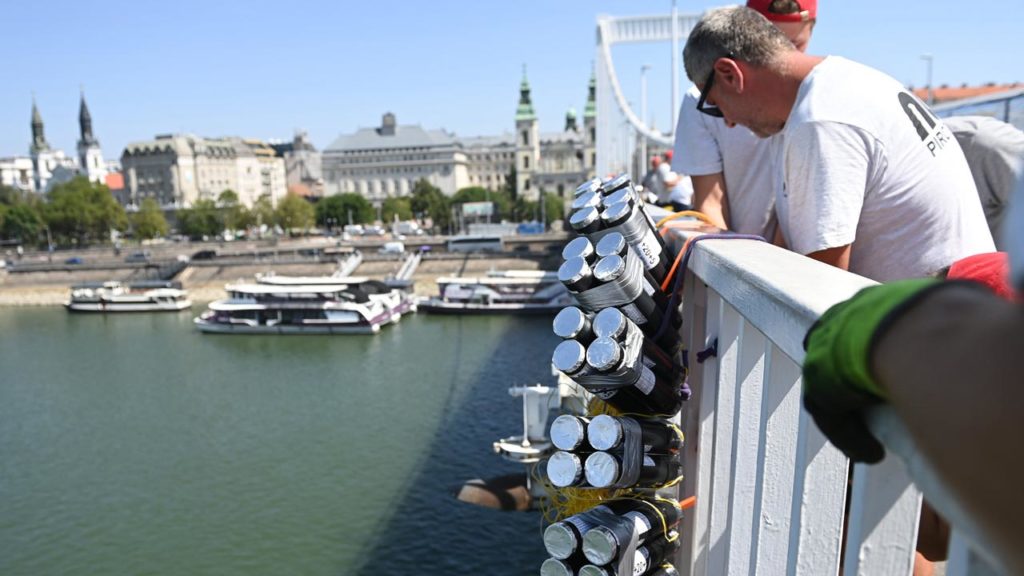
676, 191
872, 181
729, 167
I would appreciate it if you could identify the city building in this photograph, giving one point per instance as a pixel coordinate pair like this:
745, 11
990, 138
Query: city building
45, 160
302, 165
388, 160
179, 169
17, 172
50, 166
90, 157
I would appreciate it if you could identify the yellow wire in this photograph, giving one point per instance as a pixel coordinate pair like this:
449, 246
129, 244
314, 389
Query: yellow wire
698, 215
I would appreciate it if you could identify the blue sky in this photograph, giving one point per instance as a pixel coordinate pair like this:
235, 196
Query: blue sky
262, 69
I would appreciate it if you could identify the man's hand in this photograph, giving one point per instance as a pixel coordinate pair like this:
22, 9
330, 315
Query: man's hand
838, 383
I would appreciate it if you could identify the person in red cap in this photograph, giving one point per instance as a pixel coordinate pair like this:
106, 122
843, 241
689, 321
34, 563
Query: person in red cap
795, 18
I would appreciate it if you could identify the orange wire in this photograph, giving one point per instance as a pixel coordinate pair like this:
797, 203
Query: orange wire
698, 215
688, 503
675, 264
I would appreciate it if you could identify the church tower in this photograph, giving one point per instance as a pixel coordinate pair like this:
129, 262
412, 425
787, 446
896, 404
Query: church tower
527, 143
90, 157
590, 129
43, 158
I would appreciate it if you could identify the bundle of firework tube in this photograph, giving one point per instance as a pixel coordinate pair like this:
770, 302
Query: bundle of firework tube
622, 536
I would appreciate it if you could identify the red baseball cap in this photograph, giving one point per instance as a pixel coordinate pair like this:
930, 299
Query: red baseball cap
808, 10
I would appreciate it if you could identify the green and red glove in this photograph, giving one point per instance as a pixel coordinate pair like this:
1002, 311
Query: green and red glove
838, 383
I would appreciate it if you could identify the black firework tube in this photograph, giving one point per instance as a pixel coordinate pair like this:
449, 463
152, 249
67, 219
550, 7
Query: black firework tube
604, 544
647, 561
570, 358
576, 275
579, 247
586, 220
604, 469
592, 185
643, 311
564, 539
571, 323
616, 183
557, 567
612, 323
660, 396
622, 195
614, 243
606, 432
586, 200
566, 469
665, 570
650, 246
569, 432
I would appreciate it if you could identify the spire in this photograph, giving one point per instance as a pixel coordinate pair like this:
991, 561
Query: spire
591, 110
38, 138
85, 123
525, 109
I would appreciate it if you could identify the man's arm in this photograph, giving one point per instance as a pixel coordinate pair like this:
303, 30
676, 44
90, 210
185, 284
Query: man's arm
953, 368
710, 199
838, 256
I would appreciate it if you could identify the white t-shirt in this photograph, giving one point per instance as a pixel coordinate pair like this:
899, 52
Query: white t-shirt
866, 163
705, 145
681, 192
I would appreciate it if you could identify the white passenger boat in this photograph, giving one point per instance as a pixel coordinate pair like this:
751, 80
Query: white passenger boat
157, 296
355, 306
511, 292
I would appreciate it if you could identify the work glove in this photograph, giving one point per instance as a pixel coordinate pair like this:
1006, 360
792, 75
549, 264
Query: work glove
838, 383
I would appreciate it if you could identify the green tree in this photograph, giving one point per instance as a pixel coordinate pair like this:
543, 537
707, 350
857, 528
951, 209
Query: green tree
202, 219
502, 201
262, 212
427, 201
334, 210
234, 214
294, 212
149, 221
23, 222
554, 208
392, 207
81, 210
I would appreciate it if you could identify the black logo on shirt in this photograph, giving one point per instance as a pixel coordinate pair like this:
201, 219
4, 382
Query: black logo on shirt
934, 134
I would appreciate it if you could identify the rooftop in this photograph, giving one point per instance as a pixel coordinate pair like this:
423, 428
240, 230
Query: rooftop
946, 93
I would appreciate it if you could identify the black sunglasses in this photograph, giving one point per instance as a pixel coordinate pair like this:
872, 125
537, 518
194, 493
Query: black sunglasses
713, 111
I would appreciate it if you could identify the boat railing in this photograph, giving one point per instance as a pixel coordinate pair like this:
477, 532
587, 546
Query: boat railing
770, 489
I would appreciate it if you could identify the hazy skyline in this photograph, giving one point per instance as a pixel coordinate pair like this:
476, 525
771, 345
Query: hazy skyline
260, 69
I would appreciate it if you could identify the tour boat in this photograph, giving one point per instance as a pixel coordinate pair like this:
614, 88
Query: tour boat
153, 296
353, 305
513, 291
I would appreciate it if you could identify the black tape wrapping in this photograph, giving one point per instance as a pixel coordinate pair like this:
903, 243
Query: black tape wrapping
632, 453
632, 366
619, 292
633, 229
625, 531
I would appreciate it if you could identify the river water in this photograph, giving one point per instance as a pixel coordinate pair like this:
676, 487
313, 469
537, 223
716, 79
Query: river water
136, 445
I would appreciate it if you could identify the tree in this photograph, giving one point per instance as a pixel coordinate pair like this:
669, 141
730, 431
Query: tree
427, 201
294, 212
501, 200
335, 210
392, 207
202, 219
234, 214
81, 210
554, 208
149, 221
262, 212
21, 221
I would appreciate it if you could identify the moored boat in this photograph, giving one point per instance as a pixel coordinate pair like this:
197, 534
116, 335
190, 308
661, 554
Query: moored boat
148, 296
350, 306
510, 292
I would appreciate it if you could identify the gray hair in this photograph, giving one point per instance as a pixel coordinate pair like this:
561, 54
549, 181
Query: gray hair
736, 31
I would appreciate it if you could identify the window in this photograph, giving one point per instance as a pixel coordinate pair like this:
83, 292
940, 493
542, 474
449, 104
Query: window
526, 138
526, 162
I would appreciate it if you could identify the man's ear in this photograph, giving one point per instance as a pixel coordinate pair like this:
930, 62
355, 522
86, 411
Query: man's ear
729, 74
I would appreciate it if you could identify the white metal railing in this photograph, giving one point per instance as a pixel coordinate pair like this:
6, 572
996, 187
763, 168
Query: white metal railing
771, 491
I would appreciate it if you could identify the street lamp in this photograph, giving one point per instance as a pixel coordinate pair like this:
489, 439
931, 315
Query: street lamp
643, 116
931, 93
